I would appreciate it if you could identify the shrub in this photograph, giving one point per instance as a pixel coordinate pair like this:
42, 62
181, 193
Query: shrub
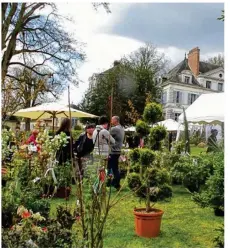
192, 171
78, 127
135, 167
134, 181
178, 146
142, 128
219, 238
212, 195
134, 155
146, 156
157, 134
153, 113
201, 145
76, 134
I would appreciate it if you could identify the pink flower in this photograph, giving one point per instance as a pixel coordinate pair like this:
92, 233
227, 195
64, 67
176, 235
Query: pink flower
44, 229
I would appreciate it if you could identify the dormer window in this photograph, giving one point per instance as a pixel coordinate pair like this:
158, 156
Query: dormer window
186, 79
208, 84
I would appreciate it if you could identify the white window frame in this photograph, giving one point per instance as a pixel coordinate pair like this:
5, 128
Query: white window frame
221, 86
187, 79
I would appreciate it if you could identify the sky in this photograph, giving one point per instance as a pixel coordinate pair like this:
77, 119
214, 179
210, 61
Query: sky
174, 28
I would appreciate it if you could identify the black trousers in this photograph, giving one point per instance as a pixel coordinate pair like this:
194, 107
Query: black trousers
113, 165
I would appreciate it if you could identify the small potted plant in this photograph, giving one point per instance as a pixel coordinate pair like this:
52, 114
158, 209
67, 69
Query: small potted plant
153, 186
64, 178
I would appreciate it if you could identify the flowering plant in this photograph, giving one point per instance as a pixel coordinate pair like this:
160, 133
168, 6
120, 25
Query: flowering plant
7, 137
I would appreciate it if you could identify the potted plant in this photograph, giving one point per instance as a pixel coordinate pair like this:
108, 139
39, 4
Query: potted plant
64, 178
153, 186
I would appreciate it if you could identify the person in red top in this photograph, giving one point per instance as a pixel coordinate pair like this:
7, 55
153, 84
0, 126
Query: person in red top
32, 138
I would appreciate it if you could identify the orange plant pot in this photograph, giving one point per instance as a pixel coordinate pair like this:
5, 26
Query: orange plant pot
147, 225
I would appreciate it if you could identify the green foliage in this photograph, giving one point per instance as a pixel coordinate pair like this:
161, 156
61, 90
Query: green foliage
76, 134
221, 18
78, 127
142, 128
63, 174
145, 64
193, 171
178, 146
157, 134
134, 155
219, 238
134, 181
212, 195
153, 113
153, 181
147, 156
64, 217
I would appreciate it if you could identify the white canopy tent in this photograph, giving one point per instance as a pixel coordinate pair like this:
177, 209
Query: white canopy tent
170, 125
208, 109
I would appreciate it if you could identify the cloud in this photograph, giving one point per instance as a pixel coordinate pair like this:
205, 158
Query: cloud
174, 28
183, 25
102, 50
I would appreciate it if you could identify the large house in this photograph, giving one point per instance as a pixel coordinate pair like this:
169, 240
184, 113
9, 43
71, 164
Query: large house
184, 83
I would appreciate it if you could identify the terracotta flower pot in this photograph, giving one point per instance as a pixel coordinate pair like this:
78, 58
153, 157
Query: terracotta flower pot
147, 224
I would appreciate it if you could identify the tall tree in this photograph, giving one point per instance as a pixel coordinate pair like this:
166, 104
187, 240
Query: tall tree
221, 18
31, 39
145, 64
217, 60
106, 89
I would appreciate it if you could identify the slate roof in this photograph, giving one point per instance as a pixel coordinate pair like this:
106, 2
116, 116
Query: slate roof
173, 75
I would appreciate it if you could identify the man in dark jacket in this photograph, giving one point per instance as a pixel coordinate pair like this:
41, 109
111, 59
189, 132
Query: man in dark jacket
118, 133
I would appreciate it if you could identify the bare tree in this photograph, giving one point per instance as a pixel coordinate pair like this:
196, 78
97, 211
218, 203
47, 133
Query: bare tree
31, 39
217, 60
145, 64
27, 90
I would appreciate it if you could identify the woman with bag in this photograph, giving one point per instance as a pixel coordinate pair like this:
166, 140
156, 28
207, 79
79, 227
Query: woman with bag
84, 146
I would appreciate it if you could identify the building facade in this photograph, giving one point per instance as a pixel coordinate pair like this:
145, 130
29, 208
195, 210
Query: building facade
187, 81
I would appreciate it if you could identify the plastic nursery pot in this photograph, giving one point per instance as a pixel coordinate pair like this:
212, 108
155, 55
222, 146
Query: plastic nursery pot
63, 192
147, 225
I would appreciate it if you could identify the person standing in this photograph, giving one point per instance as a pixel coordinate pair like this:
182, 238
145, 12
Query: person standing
84, 146
118, 133
102, 138
212, 141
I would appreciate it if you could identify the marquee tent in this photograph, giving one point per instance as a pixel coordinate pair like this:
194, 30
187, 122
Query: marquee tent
207, 109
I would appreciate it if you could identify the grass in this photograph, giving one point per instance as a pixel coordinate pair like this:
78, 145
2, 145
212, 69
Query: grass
195, 150
184, 224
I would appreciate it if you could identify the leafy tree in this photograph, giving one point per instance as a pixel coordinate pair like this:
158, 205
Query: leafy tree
217, 60
98, 96
221, 18
145, 64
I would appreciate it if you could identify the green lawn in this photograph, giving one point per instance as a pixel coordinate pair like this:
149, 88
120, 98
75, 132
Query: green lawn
184, 224
195, 150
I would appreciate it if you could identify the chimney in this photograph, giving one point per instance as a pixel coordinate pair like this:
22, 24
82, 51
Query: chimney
194, 60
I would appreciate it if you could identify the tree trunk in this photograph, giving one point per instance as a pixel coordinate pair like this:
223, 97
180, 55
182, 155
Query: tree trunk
27, 124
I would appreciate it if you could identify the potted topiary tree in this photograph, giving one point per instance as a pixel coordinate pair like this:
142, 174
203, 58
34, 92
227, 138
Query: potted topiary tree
153, 186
